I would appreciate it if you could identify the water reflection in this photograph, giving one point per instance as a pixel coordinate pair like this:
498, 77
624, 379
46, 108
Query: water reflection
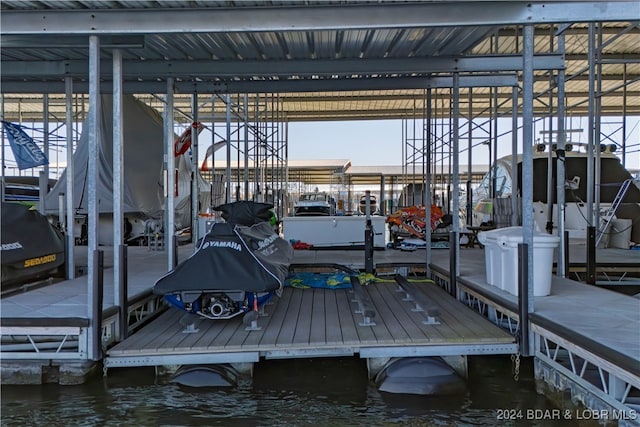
309, 392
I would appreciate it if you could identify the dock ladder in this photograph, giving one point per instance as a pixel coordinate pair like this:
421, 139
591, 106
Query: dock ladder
611, 211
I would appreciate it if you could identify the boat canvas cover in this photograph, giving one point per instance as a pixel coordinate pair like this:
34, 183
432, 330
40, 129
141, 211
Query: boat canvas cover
232, 257
29, 243
143, 155
143, 136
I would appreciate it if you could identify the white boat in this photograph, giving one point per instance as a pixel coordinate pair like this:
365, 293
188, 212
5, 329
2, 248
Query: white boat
612, 177
316, 203
373, 205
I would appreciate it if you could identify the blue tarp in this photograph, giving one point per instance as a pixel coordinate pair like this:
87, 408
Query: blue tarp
305, 280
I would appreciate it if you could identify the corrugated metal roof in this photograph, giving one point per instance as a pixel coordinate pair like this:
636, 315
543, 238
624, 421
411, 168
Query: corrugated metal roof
270, 57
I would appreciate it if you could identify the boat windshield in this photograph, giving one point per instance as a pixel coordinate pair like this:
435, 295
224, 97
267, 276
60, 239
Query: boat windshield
502, 184
313, 197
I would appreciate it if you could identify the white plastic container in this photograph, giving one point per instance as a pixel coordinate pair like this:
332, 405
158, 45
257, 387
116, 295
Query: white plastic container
501, 254
492, 257
620, 233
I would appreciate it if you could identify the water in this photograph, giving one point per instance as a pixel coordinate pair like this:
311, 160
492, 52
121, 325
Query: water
304, 392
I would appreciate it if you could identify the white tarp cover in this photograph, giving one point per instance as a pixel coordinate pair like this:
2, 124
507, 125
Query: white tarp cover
143, 161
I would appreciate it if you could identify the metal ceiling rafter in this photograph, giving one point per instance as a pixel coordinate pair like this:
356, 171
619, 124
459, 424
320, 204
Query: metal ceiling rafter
271, 86
310, 18
80, 42
304, 67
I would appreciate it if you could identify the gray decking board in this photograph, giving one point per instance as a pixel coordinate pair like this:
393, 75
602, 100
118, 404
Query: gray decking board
332, 321
173, 336
318, 329
286, 332
225, 331
411, 326
387, 329
351, 335
148, 339
442, 332
236, 336
303, 325
451, 310
276, 321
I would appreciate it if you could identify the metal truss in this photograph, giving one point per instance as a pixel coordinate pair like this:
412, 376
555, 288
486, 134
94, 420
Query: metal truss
139, 314
70, 342
608, 278
502, 317
615, 386
612, 391
43, 343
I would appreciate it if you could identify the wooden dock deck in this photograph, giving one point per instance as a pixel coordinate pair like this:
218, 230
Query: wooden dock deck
317, 322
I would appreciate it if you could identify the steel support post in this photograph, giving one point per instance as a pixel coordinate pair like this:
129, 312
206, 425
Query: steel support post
123, 291
195, 184
527, 156
70, 260
515, 206
169, 231
562, 265
427, 186
523, 300
118, 176
96, 305
455, 244
590, 121
92, 202
591, 255
227, 192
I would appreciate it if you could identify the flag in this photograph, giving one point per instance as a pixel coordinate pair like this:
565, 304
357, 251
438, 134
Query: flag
25, 150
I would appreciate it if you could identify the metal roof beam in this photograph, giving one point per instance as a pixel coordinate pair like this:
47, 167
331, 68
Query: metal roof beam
31, 41
341, 115
267, 86
568, 30
310, 18
303, 67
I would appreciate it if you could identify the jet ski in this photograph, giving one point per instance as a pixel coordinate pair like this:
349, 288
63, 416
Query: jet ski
32, 248
237, 267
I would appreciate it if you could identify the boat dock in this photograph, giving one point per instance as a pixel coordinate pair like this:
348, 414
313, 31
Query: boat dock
585, 333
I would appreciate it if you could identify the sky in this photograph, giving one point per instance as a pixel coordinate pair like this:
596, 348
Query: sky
365, 143
374, 143
379, 142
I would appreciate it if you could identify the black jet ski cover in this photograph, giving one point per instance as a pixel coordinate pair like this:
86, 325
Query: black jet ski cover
232, 257
30, 244
245, 212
